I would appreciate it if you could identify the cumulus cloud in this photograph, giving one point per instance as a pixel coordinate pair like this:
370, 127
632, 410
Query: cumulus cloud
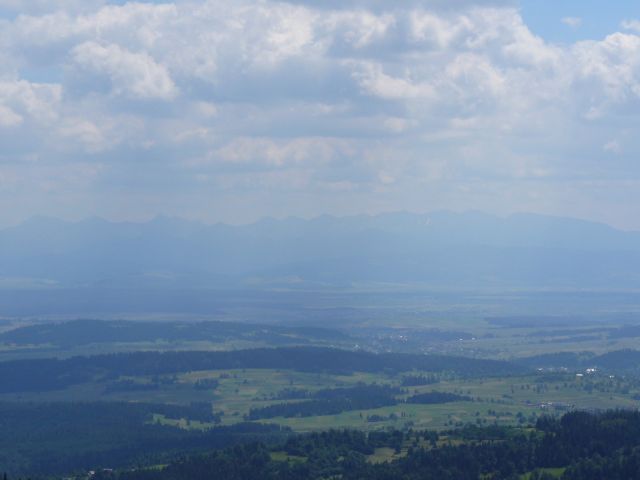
610, 67
376, 82
9, 118
44, 6
136, 75
39, 102
383, 101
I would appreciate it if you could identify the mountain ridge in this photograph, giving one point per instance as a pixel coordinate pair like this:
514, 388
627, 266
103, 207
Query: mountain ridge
440, 248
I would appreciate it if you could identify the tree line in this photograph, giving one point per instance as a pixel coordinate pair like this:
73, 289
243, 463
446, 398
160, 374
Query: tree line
587, 446
52, 374
337, 400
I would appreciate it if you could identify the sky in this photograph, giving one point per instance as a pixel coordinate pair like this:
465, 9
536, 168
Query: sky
232, 110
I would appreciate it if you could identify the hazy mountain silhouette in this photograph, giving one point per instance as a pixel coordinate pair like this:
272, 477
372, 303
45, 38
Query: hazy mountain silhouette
439, 249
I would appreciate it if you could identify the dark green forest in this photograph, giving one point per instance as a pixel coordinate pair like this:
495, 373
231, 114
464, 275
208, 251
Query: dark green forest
585, 446
58, 438
577, 446
173, 415
83, 332
53, 374
330, 402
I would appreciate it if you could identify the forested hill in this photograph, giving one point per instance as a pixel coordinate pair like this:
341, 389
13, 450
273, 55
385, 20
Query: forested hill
48, 440
87, 331
52, 374
580, 446
617, 361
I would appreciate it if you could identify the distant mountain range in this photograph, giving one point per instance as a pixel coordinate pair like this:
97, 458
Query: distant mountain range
441, 249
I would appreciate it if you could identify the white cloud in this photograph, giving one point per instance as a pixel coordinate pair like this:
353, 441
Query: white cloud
205, 109
39, 102
611, 65
279, 153
613, 146
350, 96
136, 75
85, 132
44, 6
375, 81
9, 118
633, 25
573, 22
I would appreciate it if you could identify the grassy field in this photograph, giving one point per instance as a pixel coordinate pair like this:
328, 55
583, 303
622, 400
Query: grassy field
505, 401
496, 400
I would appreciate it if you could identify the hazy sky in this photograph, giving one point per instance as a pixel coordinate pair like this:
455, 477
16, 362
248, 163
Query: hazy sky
232, 110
